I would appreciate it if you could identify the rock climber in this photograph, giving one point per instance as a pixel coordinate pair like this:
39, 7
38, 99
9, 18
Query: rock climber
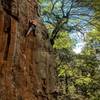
32, 27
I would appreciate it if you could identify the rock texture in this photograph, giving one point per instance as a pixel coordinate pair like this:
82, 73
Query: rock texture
27, 68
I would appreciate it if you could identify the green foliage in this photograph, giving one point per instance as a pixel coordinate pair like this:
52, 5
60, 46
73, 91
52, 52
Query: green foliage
84, 80
61, 71
63, 41
81, 72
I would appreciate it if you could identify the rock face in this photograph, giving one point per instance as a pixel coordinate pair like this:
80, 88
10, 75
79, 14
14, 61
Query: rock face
27, 68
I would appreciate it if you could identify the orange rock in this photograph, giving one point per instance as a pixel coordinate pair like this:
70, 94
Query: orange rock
28, 60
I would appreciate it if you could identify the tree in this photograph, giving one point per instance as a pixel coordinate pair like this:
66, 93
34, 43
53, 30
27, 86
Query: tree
80, 73
65, 15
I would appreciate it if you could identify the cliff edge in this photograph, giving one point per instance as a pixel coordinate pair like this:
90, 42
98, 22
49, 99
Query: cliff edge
27, 68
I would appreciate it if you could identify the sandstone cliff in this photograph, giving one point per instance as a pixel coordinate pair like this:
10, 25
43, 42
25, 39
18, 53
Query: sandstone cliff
27, 69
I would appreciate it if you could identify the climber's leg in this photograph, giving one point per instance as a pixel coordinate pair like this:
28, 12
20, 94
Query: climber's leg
31, 29
34, 28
